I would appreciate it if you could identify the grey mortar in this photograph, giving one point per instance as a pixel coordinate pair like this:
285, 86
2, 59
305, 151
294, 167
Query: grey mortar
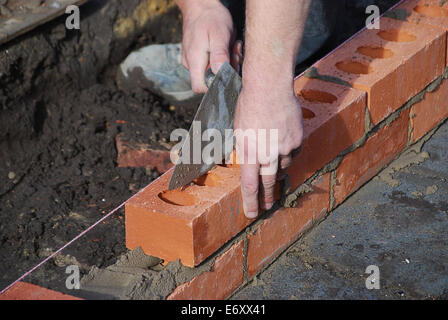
138, 276
313, 73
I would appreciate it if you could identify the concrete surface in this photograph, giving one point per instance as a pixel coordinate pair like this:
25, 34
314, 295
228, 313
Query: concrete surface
398, 221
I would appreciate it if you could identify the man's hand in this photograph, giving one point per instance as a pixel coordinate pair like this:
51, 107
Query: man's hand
284, 133
208, 37
274, 30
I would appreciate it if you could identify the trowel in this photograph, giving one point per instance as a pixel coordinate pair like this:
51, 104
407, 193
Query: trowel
213, 120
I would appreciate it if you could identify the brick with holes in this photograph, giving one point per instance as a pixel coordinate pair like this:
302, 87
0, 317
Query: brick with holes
392, 64
188, 224
334, 119
433, 13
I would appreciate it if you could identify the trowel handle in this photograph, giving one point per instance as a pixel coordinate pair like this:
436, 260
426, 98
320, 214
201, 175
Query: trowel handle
209, 77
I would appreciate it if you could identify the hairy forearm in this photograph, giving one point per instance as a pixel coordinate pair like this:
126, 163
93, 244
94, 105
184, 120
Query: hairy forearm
274, 30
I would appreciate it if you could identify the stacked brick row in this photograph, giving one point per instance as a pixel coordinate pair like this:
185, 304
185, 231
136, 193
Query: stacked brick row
363, 105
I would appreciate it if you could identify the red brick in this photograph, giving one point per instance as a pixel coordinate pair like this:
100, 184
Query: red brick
226, 275
209, 216
283, 226
392, 64
334, 118
28, 291
205, 218
140, 155
362, 164
426, 12
429, 112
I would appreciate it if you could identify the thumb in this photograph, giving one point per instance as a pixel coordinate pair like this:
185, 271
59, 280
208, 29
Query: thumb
219, 51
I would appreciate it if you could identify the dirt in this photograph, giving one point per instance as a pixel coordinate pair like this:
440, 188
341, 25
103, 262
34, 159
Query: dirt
60, 111
10, 7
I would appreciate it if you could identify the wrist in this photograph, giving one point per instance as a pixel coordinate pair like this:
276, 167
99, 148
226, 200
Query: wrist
189, 7
275, 78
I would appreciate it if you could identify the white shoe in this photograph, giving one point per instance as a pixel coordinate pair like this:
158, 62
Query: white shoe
158, 68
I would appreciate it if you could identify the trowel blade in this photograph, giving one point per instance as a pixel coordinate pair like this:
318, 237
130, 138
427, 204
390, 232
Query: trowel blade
216, 111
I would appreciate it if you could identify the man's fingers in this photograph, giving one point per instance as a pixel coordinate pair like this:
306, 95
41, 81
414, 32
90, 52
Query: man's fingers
267, 191
184, 61
219, 50
249, 189
268, 174
235, 63
238, 48
285, 161
237, 55
198, 61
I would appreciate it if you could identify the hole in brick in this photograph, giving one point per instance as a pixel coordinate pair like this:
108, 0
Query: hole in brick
375, 52
307, 113
431, 11
177, 198
354, 67
318, 96
208, 180
396, 36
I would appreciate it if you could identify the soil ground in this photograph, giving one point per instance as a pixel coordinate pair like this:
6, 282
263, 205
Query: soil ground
60, 113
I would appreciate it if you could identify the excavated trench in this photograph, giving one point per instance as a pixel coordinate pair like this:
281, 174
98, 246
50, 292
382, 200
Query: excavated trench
60, 112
